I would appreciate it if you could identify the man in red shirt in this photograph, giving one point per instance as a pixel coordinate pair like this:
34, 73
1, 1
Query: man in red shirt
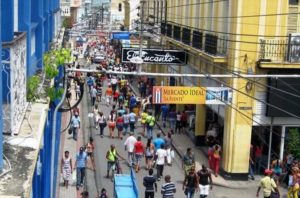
139, 153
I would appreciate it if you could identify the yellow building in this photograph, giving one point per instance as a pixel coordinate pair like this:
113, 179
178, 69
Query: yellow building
227, 36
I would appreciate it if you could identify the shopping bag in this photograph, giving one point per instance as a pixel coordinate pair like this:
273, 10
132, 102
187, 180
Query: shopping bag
74, 177
172, 153
70, 131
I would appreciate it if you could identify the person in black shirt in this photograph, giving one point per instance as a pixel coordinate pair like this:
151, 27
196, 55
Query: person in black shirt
150, 184
190, 183
204, 175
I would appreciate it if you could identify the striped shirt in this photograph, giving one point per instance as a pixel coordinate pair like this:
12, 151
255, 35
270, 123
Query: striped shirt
168, 190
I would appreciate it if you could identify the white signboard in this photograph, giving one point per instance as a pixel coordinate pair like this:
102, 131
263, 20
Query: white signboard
65, 11
218, 95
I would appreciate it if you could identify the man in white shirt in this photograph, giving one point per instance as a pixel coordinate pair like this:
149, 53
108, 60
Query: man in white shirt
129, 146
161, 158
93, 95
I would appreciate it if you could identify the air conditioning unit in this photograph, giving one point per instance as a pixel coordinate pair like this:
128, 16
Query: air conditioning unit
294, 48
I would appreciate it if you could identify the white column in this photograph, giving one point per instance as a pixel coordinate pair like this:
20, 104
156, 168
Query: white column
282, 142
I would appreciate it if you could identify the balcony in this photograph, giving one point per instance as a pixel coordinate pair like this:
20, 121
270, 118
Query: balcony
280, 53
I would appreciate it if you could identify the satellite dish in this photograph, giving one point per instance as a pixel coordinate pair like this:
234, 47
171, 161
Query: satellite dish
294, 48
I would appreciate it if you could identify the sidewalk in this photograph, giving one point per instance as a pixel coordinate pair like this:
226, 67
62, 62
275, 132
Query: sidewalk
180, 144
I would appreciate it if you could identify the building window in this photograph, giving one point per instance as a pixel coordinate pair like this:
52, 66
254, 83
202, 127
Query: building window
176, 33
197, 40
120, 7
169, 30
186, 36
293, 2
211, 43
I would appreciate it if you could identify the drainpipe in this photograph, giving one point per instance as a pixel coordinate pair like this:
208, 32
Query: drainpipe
52, 194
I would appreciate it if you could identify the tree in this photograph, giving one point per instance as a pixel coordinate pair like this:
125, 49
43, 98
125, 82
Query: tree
293, 142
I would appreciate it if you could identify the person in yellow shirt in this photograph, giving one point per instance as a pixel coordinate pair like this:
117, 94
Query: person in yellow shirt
143, 121
268, 185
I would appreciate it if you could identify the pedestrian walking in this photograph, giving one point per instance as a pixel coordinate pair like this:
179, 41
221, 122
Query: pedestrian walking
190, 183
205, 181
66, 168
108, 95
93, 95
132, 120
188, 161
168, 189
168, 147
149, 154
126, 122
129, 147
75, 124
172, 119
183, 121
139, 150
96, 115
294, 179
102, 123
143, 121
158, 141
150, 121
164, 113
111, 123
268, 185
80, 164
160, 158
103, 193
112, 157
77, 90
90, 151
120, 124
150, 184
216, 159
178, 123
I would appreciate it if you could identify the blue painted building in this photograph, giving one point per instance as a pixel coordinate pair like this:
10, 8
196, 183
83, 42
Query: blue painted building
40, 20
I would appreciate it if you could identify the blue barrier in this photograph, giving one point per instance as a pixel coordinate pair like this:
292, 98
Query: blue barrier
125, 186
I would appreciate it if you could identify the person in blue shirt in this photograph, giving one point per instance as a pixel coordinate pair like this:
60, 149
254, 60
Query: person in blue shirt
158, 141
80, 164
132, 120
132, 102
164, 110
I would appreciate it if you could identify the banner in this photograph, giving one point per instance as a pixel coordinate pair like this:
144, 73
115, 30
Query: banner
155, 56
178, 95
121, 35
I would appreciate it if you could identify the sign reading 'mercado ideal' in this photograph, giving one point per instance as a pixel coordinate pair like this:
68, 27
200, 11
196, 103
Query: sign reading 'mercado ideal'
155, 56
178, 95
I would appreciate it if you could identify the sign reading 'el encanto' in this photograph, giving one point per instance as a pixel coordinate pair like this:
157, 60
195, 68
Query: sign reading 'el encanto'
178, 95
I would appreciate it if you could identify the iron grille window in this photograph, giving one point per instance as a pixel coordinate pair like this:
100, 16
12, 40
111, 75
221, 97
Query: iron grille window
176, 33
163, 28
197, 39
186, 36
169, 30
211, 42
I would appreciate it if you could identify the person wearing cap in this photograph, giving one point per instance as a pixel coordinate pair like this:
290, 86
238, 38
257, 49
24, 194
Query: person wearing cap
80, 164
267, 184
75, 124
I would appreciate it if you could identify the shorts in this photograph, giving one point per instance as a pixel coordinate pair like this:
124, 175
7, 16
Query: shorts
111, 165
204, 190
120, 127
90, 154
138, 157
149, 157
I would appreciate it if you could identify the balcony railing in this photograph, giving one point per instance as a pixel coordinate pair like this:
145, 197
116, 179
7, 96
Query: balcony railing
280, 50
212, 44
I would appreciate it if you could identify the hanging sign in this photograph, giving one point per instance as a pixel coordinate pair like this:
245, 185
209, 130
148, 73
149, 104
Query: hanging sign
155, 56
178, 95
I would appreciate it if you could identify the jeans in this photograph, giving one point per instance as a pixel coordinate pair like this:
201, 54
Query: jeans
160, 170
149, 132
75, 133
190, 192
251, 170
130, 158
93, 100
172, 124
80, 172
149, 194
258, 164
101, 128
125, 125
131, 124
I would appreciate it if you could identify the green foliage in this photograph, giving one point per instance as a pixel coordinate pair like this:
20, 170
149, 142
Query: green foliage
54, 94
293, 142
32, 88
